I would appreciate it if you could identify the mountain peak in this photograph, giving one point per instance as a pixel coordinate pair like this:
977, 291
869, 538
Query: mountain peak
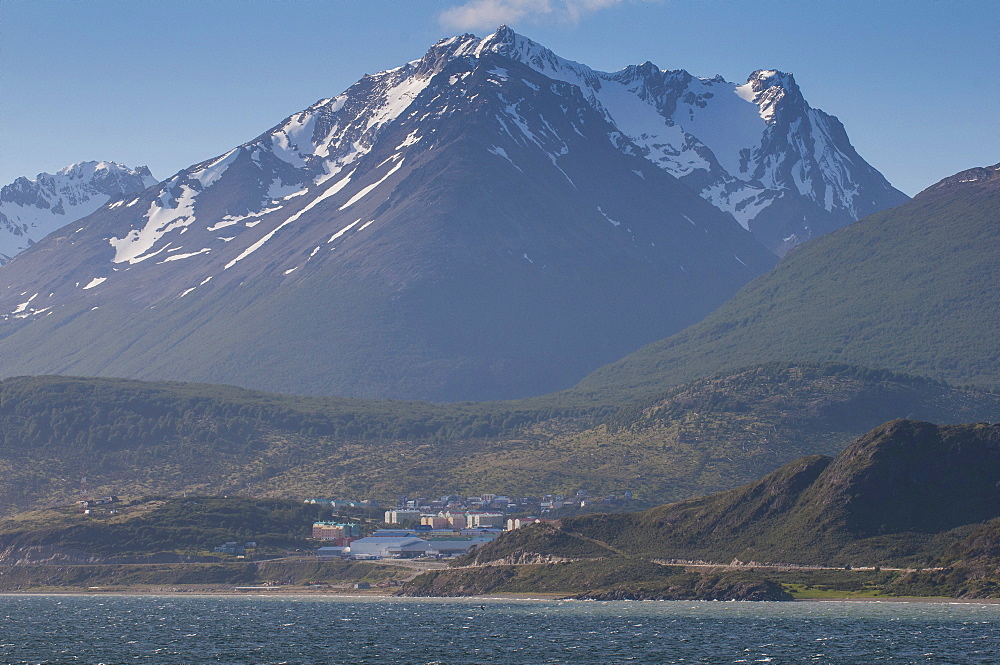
91, 169
771, 90
504, 33
768, 78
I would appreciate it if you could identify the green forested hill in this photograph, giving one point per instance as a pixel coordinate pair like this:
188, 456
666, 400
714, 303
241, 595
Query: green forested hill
913, 289
907, 494
902, 493
144, 438
135, 438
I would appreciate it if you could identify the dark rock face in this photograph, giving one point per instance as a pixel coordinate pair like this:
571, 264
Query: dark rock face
914, 476
726, 586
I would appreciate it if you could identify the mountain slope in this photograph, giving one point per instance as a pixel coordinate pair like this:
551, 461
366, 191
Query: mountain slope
31, 209
901, 491
139, 438
910, 289
462, 227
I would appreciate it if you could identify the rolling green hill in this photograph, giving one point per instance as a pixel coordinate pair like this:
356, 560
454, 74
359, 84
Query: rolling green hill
907, 494
902, 494
913, 289
183, 526
162, 544
136, 439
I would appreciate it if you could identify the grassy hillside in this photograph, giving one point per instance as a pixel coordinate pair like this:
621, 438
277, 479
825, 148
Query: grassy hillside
135, 439
142, 438
620, 578
184, 526
913, 289
904, 493
911, 495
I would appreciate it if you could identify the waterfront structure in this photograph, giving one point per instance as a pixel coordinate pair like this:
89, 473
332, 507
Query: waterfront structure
389, 547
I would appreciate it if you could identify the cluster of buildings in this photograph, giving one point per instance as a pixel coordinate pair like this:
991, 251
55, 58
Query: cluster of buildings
106, 503
341, 534
446, 527
448, 519
424, 540
233, 547
503, 504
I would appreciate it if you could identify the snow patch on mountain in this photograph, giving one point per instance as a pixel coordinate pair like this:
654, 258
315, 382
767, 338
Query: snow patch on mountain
343, 230
97, 281
177, 257
605, 215
286, 141
208, 174
370, 188
161, 218
312, 204
23, 306
500, 152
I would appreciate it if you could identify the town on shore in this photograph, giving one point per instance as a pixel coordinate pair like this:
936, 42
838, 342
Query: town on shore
444, 528
448, 527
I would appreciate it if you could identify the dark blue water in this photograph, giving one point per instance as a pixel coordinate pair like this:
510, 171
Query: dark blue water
241, 630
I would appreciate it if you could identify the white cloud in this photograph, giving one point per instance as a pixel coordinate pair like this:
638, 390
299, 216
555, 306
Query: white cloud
488, 14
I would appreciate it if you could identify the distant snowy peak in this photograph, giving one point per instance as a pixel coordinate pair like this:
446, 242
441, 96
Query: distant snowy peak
31, 209
744, 148
75, 184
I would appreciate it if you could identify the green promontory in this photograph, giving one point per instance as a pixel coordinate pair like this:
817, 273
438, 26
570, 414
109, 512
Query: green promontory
913, 507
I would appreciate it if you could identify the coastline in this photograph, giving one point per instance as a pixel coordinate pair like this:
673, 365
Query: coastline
902, 599
292, 591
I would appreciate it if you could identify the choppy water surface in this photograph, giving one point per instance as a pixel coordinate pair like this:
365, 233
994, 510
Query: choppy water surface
243, 630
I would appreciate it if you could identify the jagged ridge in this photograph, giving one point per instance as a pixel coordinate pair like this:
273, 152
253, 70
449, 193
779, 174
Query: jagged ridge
31, 209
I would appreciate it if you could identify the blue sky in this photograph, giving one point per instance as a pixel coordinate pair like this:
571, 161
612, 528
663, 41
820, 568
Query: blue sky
170, 83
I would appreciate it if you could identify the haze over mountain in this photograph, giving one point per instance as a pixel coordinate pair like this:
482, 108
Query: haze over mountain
31, 209
489, 221
915, 289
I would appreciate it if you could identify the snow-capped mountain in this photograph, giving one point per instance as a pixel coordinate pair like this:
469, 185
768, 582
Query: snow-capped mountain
784, 170
31, 209
489, 221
